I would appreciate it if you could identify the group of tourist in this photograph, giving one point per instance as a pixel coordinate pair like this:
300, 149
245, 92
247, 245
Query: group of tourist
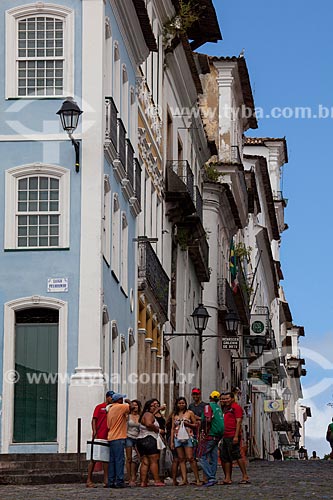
195, 434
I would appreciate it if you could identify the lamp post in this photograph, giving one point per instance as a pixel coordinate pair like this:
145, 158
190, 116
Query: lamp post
200, 317
296, 437
286, 396
69, 116
231, 322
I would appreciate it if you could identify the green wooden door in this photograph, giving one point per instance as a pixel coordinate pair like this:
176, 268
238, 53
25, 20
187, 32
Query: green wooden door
35, 394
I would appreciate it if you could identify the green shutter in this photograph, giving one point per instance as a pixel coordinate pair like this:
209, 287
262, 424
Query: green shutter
35, 400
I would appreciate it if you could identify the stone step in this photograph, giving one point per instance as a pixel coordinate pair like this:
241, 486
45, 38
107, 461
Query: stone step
46, 478
22, 466
37, 457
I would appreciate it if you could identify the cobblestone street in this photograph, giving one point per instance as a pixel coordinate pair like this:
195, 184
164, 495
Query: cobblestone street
269, 481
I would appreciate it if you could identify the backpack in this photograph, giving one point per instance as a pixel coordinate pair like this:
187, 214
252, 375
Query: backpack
212, 420
217, 425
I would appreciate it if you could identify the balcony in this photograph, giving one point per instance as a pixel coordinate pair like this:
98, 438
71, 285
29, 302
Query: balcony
198, 203
152, 279
179, 190
278, 197
242, 296
225, 297
198, 250
192, 238
111, 136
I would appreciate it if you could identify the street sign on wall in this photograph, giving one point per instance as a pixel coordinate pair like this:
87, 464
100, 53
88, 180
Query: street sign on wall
230, 343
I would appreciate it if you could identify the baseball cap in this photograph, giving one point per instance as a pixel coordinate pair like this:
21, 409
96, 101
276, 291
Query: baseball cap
116, 396
214, 395
110, 394
196, 390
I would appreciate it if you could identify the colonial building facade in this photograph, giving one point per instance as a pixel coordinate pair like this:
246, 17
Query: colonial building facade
107, 248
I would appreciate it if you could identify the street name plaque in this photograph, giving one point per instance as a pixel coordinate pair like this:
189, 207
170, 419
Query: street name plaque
230, 343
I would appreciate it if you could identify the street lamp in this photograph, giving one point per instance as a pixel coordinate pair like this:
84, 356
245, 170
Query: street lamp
301, 453
231, 322
286, 395
200, 317
69, 115
258, 345
296, 436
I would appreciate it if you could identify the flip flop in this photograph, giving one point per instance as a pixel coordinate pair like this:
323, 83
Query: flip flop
245, 481
226, 483
91, 485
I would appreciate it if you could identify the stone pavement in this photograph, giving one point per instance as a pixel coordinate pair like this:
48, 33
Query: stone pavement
289, 480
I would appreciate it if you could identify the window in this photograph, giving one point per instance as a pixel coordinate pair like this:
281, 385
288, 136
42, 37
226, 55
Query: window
106, 222
124, 97
37, 207
124, 252
39, 55
116, 74
115, 235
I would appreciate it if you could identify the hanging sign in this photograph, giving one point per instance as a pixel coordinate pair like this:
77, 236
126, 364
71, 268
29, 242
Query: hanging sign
258, 324
230, 343
271, 405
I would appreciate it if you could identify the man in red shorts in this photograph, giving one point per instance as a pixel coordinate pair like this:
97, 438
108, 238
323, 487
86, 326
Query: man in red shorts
229, 449
99, 431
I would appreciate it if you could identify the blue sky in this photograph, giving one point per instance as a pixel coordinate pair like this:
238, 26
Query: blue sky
289, 53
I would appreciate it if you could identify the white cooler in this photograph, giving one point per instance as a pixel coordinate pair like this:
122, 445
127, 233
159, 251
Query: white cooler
98, 450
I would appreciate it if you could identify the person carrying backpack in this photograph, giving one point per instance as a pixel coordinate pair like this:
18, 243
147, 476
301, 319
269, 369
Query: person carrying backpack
212, 427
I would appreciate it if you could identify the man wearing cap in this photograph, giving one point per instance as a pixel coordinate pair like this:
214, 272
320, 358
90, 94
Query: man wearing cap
212, 426
198, 405
99, 431
117, 425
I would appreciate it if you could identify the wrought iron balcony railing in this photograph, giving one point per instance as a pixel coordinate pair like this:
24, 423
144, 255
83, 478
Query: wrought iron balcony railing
121, 142
111, 113
184, 173
198, 203
130, 162
151, 276
137, 183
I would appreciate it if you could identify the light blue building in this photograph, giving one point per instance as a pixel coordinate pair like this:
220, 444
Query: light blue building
68, 249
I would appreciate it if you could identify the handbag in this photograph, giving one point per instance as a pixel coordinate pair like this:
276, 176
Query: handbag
182, 435
160, 443
168, 460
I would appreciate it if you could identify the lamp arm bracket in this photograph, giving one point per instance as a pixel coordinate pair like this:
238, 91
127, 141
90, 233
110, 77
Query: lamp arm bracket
76, 145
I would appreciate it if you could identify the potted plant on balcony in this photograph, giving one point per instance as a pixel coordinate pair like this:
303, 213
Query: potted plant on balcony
187, 14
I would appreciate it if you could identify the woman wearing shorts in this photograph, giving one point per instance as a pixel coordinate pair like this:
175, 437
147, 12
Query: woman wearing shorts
147, 443
184, 448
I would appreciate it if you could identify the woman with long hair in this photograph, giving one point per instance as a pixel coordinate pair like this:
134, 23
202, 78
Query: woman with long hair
133, 428
147, 443
181, 416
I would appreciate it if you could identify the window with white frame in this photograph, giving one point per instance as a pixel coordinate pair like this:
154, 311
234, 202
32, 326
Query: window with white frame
124, 252
39, 51
115, 257
116, 74
124, 97
37, 207
106, 221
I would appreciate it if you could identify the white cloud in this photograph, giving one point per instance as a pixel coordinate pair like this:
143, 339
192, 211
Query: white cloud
316, 426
